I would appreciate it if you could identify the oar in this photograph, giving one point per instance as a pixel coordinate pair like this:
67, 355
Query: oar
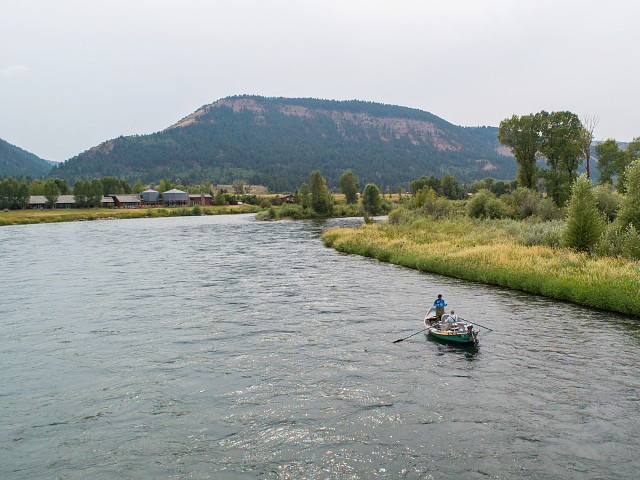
490, 329
396, 341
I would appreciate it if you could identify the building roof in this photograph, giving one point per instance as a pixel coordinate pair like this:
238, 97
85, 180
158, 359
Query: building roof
151, 190
41, 199
37, 199
174, 190
198, 195
128, 198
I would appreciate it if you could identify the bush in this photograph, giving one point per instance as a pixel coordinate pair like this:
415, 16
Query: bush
610, 242
265, 203
631, 243
435, 205
476, 207
196, 210
496, 208
399, 216
548, 234
291, 210
607, 201
523, 202
546, 209
630, 205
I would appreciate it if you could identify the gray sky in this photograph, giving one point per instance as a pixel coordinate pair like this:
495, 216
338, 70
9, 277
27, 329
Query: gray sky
74, 73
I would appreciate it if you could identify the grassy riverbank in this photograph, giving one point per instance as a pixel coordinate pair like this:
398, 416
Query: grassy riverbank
20, 217
489, 252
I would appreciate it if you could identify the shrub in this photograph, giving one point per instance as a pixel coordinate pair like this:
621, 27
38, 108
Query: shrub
546, 209
631, 243
476, 207
630, 205
548, 234
399, 216
196, 210
291, 210
496, 208
435, 205
522, 201
610, 242
265, 203
607, 201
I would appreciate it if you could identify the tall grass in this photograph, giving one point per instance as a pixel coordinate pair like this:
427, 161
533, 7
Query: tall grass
493, 252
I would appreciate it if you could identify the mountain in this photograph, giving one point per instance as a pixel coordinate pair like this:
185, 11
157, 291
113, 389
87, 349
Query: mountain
278, 142
16, 162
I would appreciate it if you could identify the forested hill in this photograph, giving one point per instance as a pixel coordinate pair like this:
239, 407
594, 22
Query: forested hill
16, 162
278, 141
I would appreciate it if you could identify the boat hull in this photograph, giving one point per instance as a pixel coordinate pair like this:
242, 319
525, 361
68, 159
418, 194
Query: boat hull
461, 333
451, 336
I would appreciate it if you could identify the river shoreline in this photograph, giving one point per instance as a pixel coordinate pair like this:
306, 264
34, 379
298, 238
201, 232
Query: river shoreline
609, 284
25, 217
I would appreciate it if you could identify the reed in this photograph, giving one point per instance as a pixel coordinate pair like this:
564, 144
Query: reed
490, 252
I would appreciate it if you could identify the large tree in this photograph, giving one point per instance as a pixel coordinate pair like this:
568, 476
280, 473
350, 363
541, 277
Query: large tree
522, 135
320, 199
13, 194
371, 199
450, 187
589, 123
349, 187
561, 145
51, 193
626, 158
608, 154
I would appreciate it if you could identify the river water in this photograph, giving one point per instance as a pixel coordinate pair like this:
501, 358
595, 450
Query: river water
223, 347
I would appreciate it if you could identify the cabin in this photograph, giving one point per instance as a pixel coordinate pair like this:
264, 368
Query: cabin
203, 199
39, 202
286, 198
127, 200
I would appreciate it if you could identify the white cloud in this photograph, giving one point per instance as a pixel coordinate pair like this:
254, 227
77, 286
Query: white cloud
13, 71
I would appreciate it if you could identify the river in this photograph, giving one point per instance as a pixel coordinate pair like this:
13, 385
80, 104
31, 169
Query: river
222, 347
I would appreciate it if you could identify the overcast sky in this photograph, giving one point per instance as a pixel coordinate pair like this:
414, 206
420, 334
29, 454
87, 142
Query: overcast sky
74, 73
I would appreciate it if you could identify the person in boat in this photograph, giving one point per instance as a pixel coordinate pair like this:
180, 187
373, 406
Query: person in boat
450, 320
439, 304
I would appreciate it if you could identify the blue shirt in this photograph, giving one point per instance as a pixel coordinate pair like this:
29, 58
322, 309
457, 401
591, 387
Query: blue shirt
439, 303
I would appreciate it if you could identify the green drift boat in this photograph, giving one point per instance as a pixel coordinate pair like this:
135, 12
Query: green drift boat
450, 330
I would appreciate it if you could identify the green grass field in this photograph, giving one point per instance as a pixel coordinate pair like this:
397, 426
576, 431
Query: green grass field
484, 251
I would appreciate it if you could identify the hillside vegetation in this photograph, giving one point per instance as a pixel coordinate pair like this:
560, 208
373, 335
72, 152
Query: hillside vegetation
277, 141
16, 162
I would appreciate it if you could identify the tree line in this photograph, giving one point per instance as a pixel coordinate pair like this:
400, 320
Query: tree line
564, 142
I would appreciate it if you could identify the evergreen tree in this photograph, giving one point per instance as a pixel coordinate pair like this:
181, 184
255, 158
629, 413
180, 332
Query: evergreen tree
585, 223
